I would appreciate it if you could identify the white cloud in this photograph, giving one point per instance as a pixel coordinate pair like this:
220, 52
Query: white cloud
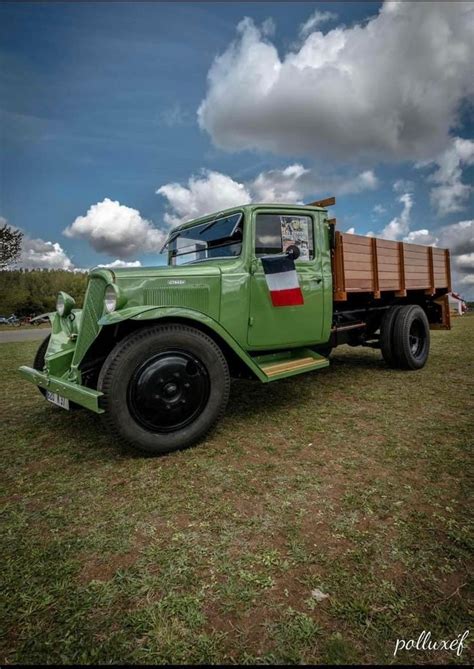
174, 115
389, 89
451, 194
213, 191
459, 237
467, 280
37, 253
113, 228
400, 225
465, 262
423, 236
120, 263
378, 210
315, 20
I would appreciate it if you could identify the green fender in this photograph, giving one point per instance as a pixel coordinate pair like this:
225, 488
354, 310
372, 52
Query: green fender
154, 313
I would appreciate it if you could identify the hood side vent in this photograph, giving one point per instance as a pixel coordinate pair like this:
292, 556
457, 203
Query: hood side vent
195, 298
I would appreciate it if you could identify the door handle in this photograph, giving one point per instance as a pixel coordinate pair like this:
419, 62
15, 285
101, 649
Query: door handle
318, 279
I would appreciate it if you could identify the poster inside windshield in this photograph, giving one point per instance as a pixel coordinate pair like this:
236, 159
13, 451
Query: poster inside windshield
295, 230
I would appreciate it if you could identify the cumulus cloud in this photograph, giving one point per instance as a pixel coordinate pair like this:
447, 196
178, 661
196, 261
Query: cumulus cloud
422, 236
465, 262
209, 192
389, 89
450, 193
213, 191
120, 263
37, 253
113, 228
459, 237
400, 225
315, 20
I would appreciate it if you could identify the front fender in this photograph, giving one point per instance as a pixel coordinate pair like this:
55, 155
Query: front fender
156, 313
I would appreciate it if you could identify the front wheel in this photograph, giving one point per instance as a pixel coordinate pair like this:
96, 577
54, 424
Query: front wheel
164, 387
39, 361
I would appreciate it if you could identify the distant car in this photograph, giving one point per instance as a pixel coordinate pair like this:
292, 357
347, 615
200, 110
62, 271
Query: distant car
11, 320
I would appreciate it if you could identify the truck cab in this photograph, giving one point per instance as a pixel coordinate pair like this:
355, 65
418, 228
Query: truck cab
244, 292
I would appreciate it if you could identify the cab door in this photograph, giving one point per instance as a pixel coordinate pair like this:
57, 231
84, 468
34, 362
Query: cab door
281, 326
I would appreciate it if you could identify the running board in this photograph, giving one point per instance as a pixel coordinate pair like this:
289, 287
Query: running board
280, 365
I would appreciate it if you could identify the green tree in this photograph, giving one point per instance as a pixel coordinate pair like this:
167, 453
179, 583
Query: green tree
10, 245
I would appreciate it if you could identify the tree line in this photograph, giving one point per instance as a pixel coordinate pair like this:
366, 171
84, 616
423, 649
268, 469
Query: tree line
33, 292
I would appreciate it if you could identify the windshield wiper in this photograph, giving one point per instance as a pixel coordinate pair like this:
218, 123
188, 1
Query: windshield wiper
171, 238
209, 225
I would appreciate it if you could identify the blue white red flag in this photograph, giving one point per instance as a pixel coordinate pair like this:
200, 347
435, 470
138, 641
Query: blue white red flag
282, 281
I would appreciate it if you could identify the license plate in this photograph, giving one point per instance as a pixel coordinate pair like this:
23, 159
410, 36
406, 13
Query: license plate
60, 401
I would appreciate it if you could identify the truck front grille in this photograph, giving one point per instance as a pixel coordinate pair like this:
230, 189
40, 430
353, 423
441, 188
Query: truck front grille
93, 308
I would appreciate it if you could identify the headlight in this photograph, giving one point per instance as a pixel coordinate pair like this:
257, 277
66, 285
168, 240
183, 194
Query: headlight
64, 304
113, 298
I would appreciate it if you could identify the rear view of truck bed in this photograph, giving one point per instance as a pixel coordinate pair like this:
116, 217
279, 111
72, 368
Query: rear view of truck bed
377, 266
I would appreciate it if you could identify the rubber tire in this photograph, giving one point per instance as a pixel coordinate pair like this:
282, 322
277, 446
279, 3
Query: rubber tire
401, 337
386, 336
38, 362
135, 349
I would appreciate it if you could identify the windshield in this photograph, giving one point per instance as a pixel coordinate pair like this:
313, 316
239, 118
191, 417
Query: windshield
218, 238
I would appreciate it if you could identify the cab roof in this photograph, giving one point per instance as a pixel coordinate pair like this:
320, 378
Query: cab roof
244, 208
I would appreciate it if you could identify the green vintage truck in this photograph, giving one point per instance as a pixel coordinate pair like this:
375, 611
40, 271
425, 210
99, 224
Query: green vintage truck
261, 291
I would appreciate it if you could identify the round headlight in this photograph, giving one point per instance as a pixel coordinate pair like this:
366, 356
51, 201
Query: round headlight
64, 304
60, 304
110, 299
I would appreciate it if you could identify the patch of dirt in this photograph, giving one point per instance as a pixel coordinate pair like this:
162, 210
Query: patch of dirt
104, 567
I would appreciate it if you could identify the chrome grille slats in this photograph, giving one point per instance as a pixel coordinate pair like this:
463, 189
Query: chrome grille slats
92, 311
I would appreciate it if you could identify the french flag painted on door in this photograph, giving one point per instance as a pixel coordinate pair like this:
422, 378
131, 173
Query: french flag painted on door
282, 281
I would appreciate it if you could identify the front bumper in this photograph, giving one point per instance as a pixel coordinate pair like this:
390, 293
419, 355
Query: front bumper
85, 397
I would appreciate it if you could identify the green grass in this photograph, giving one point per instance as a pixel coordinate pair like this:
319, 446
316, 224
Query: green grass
354, 480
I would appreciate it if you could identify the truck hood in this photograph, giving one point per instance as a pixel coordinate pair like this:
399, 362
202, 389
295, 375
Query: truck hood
167, 272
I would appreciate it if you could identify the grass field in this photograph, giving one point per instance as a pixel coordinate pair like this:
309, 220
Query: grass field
354, 480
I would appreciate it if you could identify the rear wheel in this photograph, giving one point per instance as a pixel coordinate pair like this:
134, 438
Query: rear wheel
164, 387
386, 336
411, 337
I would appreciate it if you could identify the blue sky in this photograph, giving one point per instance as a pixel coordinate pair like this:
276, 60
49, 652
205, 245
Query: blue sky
100, 100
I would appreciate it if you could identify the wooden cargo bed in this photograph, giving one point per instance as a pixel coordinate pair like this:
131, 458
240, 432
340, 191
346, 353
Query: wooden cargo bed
372, 265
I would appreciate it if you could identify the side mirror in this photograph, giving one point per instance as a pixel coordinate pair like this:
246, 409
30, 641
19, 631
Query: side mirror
293, 252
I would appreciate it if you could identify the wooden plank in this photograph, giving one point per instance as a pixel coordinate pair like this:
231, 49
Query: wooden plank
448, 267
362, 274
388, 254
391, 276
401, 256
328, 202
375, 269
351, 264
386, 244
431, 290
415, 247
416, 254
356, 252
358, 283
356, 240
416, 262
289, 366
385, 284
420, 276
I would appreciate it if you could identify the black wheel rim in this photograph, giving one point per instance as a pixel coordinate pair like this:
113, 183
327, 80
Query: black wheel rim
168, 391
416, 338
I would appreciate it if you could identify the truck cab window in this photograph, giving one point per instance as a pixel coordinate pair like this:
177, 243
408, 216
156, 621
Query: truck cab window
274, 233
